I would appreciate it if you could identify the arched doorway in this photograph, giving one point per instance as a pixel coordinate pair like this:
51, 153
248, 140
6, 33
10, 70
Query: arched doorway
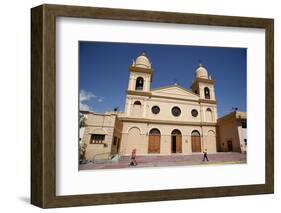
176, 144
154, 141
195, 141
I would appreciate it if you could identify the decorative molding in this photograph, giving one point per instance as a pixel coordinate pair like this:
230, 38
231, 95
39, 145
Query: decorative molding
175, 98
136, 92
207, 101
203, 80
177, 86
140, 69
169, 122
150, 95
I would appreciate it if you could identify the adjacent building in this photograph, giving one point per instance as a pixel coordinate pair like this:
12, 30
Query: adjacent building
100, 135
232, 132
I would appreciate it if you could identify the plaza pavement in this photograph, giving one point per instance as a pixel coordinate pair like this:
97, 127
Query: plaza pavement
170, 160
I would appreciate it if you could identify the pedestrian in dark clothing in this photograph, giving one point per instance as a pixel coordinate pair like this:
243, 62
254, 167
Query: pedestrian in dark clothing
133, 158
205, 156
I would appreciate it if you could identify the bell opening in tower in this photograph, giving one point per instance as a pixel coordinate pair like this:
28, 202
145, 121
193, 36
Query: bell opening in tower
139, 83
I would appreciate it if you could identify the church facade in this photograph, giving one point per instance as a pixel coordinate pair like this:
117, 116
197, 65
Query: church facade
170, 119
161, 121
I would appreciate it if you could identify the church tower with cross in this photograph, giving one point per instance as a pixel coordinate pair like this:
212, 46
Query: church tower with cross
138, 91
203, 85
140, 74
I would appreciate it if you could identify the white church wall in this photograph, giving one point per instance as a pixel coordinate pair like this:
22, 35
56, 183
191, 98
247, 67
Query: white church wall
139, 139
166, 110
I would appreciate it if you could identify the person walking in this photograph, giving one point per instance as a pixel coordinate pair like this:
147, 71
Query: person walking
205, 156
133, 158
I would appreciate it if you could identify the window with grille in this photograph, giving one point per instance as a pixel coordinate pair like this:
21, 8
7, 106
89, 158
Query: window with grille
97, 139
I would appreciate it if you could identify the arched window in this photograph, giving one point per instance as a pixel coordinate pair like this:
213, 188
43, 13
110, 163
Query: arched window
207, 92
139, 83
137, 103
136, 109
209, 115
154, 131
176, 132
195, 133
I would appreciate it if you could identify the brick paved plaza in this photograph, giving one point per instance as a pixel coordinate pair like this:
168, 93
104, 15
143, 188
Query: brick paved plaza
170, 160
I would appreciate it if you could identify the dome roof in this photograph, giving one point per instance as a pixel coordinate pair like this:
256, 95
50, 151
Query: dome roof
142, 61
201, 72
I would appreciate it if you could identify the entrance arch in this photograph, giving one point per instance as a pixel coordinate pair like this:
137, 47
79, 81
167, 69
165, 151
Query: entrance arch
195, 141
176, 141
134, 140
154, 141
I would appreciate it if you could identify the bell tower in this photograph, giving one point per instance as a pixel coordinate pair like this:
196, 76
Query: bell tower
203, 85
138, 91
140, 74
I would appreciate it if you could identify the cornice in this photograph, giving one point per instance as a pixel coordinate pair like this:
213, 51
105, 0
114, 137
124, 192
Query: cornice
140, 93
207, 101
169, 122
203, 80
140, 69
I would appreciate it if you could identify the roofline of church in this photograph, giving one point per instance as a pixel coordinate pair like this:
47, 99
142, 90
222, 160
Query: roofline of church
174, 85
149, 94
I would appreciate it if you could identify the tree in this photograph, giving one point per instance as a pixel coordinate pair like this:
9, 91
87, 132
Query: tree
82, 120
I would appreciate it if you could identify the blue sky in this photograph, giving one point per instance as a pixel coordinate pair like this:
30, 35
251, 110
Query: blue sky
103, 72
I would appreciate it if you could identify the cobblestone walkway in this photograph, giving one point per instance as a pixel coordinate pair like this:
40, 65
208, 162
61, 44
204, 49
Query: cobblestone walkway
170, 160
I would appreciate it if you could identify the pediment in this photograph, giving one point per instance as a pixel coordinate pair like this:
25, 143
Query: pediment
174, 91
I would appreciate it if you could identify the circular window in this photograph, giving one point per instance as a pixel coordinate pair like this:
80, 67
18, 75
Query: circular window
194, 113
155, 109
176, 111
